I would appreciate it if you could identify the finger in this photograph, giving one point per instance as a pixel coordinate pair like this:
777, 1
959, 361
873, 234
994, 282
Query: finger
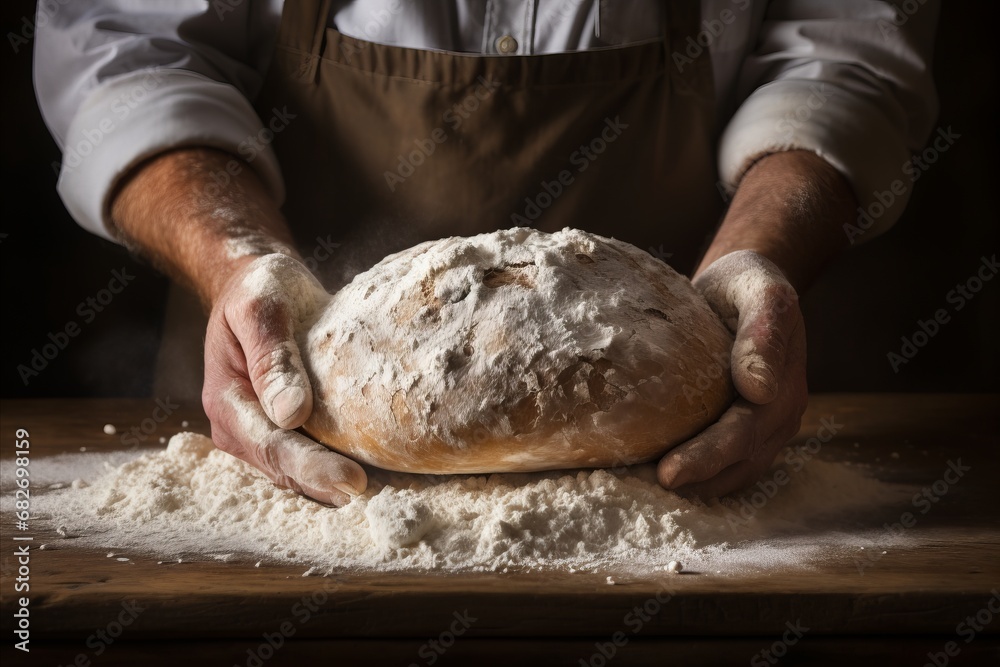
288, 458
329, 494
766, 325
738, 475
730, 479
760, 306
274, 364
727, 441
741, 434
316, 471
280, 294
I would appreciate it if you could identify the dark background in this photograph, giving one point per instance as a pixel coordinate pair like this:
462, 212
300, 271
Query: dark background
855, 315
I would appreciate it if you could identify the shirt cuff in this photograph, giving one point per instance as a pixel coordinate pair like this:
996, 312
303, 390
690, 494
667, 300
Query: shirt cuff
846, 130
136, 116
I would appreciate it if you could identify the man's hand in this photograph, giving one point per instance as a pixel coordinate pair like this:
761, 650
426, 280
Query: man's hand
256, 388
231, 244
784, 223
768, 365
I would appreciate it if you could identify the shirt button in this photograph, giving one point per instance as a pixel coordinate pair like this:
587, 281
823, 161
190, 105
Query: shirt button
506, 44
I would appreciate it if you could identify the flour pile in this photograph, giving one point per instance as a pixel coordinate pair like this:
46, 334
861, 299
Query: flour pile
194, 499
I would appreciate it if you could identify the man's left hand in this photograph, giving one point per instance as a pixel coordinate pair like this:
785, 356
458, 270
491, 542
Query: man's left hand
761, 308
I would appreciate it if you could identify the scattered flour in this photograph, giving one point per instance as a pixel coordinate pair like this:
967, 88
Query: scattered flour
195, 501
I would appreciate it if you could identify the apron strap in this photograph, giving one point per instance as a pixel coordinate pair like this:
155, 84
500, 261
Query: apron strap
302, 26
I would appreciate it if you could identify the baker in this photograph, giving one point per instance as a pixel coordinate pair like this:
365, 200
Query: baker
209, 137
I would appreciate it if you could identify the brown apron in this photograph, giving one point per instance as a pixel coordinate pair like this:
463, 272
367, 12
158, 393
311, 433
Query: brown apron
384, 147
392, 146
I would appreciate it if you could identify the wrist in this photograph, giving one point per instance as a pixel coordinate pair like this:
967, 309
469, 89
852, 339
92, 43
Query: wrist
197, 220
790, 208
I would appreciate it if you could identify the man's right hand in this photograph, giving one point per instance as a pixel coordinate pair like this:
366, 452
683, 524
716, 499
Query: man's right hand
256, 389
206, 219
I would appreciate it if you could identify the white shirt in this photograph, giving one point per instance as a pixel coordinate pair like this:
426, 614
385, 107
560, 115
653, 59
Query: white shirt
120, 81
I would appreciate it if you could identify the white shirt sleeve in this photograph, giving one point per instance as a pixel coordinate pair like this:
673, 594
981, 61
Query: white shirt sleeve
117, 85
120, 81
849, 80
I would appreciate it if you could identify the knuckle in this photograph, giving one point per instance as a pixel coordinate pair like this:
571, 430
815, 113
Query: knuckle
267, 458
266, 361
757, 448
783, 311
773, 335
267, 455
263, 317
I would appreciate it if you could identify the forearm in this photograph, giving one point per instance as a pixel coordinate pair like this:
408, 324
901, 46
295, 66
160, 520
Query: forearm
790, 207
171, 210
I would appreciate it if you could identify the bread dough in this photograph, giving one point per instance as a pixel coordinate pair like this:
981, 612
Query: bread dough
517, 350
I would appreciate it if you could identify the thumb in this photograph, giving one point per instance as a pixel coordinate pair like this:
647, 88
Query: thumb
760, 306
280, 294
279, 379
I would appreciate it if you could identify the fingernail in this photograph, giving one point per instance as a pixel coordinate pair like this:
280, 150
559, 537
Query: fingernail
762, 373
337, 498
677, 479
344, 487
675, 483
286, 403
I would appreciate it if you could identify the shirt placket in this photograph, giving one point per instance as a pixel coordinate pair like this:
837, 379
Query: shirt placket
508, 28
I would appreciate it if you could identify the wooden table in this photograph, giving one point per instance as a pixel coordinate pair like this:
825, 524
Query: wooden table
905, 606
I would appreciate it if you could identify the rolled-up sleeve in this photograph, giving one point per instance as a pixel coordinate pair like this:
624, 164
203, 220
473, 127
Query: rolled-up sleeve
849, 80
117, 85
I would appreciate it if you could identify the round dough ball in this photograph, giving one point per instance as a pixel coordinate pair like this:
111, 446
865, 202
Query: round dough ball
515, 351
